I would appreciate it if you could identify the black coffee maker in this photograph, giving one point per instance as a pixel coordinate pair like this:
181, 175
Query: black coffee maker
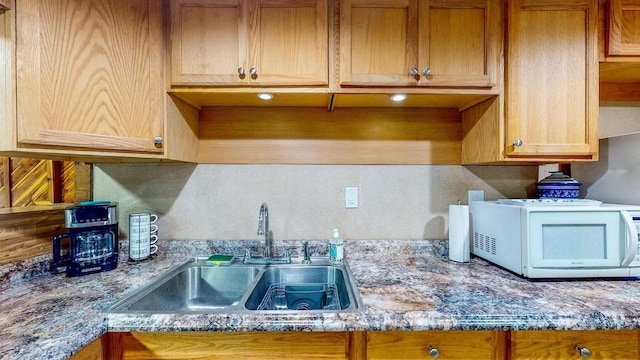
93, 239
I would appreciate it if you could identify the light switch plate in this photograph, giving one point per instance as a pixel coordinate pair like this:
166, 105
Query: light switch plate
351, 197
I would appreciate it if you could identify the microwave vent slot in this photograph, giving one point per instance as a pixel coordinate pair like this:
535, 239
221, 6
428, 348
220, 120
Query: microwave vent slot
484, 243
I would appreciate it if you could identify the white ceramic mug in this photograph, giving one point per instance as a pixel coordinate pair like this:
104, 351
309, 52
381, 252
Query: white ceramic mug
143, 235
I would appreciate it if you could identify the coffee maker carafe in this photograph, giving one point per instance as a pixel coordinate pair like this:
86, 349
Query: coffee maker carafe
93, 239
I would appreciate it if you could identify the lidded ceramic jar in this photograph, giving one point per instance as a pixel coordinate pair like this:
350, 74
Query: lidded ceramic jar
558, 185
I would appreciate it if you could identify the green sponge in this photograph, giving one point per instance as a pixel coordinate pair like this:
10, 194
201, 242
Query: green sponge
218, 259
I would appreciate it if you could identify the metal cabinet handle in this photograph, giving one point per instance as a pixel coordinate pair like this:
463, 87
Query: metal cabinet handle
583, 351
434, 353
241, 73
157, 141
254, 73
518, 142
414, 73
426, 72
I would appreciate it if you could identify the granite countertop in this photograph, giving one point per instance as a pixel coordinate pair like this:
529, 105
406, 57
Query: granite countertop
404, 285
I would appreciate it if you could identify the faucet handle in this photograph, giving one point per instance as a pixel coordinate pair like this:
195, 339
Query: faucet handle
287, 256
305, 252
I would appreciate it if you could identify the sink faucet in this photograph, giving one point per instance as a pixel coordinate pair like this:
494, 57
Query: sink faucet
263, 229
305, 252
267, 254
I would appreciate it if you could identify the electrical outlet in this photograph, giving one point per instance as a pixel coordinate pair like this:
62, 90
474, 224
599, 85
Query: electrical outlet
475, 195
351, 197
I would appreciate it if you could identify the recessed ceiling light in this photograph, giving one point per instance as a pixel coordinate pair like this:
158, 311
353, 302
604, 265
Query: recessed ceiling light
398, 97
265, 96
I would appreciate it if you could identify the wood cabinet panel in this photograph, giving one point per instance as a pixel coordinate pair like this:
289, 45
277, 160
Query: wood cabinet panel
249, 42
7, 82
552, 87
623, 28
208, 41
619, 48
27, 233
378, 42
315, 136
606, 344
419, 43
89, 75
468, 345
360, 345
93, 351
231, 345
620, 91
31, 182
459, 42
5, 182
289, 42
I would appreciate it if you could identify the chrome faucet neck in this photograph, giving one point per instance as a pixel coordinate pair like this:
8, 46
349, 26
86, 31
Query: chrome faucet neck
267, 254
263, 220
263, 229
305, 252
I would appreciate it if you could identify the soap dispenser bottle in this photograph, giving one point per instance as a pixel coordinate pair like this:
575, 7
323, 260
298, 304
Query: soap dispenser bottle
336, 248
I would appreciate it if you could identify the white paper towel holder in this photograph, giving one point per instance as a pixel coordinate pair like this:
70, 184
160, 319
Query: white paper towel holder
459, 240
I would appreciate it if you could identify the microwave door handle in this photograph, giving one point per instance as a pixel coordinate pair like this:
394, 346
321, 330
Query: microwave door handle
632, 238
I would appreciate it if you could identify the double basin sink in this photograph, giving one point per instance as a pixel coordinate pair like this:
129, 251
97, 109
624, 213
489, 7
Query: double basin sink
198, 287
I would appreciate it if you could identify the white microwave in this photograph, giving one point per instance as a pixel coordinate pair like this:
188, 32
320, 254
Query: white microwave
557, 238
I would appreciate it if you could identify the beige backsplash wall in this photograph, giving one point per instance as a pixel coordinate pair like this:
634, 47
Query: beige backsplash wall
305, 201
616, 177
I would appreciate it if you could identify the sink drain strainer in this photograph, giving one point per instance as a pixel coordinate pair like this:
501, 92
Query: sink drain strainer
303, 306
301, 297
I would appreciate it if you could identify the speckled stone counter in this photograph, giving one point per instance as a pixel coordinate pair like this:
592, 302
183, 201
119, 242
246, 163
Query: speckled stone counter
405, 285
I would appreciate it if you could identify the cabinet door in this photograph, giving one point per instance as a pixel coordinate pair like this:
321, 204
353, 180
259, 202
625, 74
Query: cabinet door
294, 345
289, 42
378, 42
552, 79
623, 20
468, 345
606, 344
458, 40
209, 42
89, 75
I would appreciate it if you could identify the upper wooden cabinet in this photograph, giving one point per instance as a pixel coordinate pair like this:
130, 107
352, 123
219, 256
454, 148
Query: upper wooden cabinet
619, 42
552, 80
89, 77
551, 89
452, 43
623, 28
249, 42
84, 81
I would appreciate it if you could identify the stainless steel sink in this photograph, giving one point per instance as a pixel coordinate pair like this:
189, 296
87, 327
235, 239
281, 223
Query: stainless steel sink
196, 287
301, 288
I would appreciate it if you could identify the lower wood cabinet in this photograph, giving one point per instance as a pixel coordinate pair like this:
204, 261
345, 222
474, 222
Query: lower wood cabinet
96, 350
360, 345
230, 345
468, 345
549, 344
